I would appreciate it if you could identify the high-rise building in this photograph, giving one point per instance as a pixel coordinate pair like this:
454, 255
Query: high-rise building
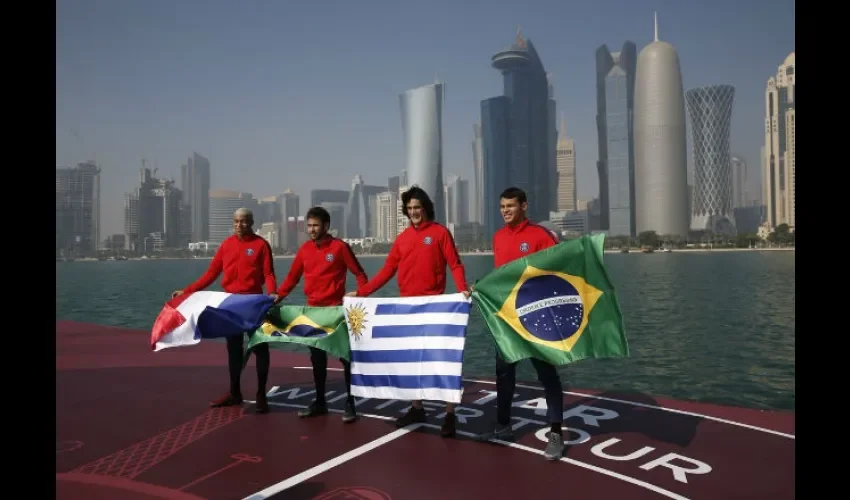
740, 193
195, 182
517, 133
393, 183
477, 206
422, 125
661, 165
615, 91
495, 119
335, 201
402, 222
566, 164
358, 222
710, 109
289, 204
78, 209
223, 203
319, 196
153, 214
387, 220
778, 154
552, 146
457, 200
268, 211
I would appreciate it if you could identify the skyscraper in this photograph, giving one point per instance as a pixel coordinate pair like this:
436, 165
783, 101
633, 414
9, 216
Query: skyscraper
552, 146
289, 204
195, 182
477, 205
661, 170
615, 91
740, 193
495, 119
457, 200
422, 124
710, 110
78, 209
386, 228
223, 202
778, 154
566, 165
153, 215
358, 222
517, 132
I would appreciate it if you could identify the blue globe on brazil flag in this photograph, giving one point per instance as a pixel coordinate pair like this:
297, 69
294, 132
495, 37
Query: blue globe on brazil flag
549, 307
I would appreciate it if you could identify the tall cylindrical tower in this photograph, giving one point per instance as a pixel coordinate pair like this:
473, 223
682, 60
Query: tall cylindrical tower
661, 171
421, 121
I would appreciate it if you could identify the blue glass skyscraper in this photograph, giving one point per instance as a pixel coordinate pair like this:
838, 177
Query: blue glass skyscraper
517, 134
615, 91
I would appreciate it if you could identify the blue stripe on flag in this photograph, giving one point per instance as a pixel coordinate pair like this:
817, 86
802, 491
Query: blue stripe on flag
408, 356
235, 315
433, 307
451, 382
396, 331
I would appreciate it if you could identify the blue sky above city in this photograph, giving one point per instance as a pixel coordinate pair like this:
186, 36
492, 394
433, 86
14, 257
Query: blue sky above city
304, 95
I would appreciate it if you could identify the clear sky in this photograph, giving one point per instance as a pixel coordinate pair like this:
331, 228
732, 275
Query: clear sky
302, 95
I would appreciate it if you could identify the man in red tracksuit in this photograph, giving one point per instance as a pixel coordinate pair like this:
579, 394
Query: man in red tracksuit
420, 254
324, 262
519, 238
246, 261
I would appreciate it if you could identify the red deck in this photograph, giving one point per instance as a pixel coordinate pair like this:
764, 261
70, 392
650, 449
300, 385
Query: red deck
134, 424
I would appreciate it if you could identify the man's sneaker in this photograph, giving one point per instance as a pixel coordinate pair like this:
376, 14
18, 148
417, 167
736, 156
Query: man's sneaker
448, 428
350, 414
555, 448
413, 416
227, 400
262, 405
313, 411
500, 432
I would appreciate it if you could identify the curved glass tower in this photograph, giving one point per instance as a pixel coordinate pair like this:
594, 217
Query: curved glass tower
710, 109
421, 121
661, 169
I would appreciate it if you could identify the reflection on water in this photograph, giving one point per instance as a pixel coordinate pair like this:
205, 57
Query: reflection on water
714, 327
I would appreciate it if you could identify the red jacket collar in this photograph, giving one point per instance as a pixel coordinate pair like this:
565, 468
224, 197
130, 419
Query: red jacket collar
519, 227
247, 237
324, 241
422, 225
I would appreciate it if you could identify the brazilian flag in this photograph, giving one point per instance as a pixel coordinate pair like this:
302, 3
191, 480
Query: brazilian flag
320, 327
557, 305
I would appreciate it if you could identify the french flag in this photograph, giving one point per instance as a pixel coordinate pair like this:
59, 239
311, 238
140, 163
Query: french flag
186, 319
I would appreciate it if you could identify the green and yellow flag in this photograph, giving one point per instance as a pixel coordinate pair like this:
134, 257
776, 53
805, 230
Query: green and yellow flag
557, 305
320, 327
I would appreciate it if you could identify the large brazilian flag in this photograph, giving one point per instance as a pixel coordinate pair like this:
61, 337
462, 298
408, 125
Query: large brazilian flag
557, 305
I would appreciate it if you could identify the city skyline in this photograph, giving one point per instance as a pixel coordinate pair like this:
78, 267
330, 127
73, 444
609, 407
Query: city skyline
261, 138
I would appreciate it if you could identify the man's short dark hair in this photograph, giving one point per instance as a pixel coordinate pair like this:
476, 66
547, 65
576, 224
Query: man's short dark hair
417, 193
514, 193
319, 213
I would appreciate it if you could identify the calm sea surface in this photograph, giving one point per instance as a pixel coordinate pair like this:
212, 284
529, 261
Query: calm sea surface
714, 327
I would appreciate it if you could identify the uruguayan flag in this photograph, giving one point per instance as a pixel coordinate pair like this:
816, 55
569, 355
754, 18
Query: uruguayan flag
407, 348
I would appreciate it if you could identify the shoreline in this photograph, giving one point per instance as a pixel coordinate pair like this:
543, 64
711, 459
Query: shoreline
486, 254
